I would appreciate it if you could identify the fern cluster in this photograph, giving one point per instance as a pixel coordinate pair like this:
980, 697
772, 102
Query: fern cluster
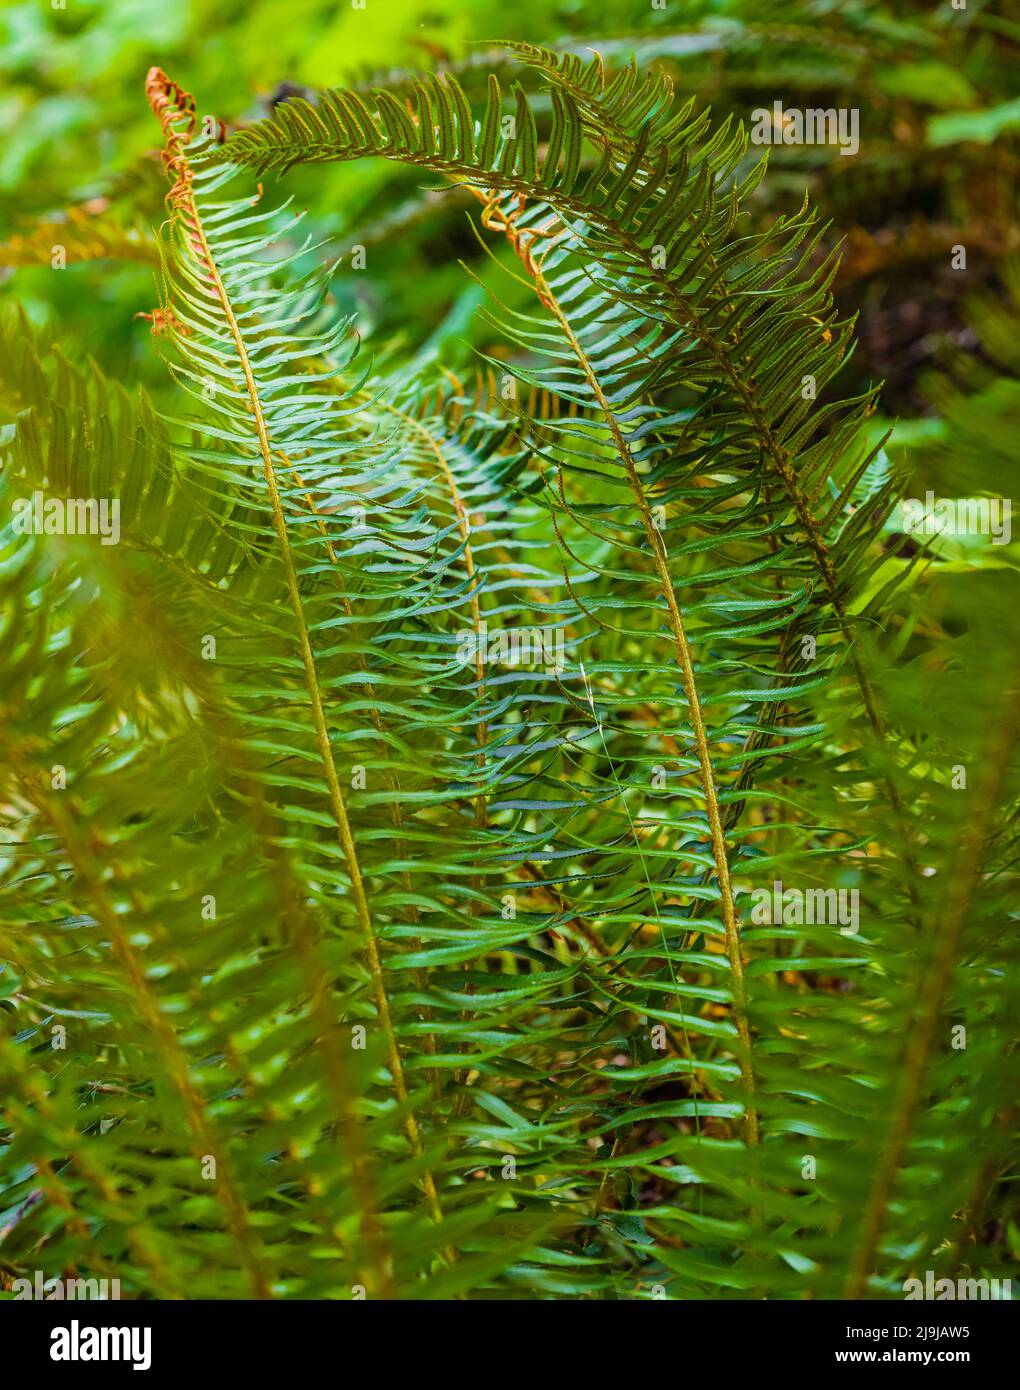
388, 817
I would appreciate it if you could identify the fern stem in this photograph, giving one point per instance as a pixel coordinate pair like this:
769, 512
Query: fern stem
931, 994
686, 663
302, 935
723, 356
163, 96
392, 781
174, 1059
337, 803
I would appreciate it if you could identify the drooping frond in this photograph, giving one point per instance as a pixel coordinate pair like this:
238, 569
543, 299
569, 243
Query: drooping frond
698, 357
592, 857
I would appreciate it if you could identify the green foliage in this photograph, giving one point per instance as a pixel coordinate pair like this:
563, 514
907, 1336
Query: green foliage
395, 958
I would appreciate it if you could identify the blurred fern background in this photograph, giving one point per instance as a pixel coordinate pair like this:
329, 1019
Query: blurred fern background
512, 592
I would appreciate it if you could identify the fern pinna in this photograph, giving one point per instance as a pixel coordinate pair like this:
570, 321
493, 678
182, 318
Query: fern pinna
409, 824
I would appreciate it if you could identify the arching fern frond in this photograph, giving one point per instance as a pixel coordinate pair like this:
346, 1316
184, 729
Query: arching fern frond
490, 725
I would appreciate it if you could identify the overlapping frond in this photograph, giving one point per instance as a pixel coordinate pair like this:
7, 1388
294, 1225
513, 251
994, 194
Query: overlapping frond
496, 724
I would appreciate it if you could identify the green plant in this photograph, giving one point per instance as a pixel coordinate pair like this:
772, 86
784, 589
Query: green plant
389, 813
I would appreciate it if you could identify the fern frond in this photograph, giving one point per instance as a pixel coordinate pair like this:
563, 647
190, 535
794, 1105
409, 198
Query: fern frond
79, 235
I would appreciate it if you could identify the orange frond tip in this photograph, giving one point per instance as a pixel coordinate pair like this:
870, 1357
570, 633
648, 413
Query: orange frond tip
162, 320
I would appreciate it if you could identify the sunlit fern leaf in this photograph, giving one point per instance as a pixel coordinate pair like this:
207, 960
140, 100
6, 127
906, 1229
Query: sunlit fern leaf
594, 1067
670, 301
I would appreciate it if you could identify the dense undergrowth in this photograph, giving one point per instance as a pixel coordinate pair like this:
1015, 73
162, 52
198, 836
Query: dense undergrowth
514, 823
